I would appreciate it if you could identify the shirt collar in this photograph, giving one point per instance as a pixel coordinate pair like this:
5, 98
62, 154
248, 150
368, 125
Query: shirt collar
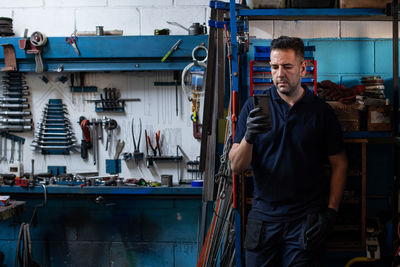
307, 97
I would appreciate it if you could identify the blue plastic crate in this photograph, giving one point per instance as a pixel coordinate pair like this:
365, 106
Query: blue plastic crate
263, 52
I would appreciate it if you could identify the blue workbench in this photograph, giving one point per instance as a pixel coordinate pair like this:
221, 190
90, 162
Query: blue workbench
105, 190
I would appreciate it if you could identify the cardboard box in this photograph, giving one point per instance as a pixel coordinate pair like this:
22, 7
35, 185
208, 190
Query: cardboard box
380, 4
348, 116
379, 118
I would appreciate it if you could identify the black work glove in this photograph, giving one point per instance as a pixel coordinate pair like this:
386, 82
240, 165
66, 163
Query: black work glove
257, 122
318, 232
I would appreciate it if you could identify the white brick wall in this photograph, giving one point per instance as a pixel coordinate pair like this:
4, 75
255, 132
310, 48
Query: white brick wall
140, 17
21, 3
369, 29
192, 3
51, 21
75, 3
306, 29
140, 3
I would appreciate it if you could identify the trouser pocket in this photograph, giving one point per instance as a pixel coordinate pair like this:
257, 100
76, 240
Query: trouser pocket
311, 224
253, 234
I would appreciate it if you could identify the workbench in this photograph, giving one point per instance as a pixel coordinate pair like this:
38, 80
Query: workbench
181, 190
13, 209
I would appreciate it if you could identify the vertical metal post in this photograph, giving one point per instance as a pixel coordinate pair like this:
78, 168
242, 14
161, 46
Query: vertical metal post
395, 28
235, 89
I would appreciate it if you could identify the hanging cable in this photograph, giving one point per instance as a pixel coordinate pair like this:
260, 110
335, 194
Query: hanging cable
24, 245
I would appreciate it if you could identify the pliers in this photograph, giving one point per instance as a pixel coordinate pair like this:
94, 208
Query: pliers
136, 153
148, 143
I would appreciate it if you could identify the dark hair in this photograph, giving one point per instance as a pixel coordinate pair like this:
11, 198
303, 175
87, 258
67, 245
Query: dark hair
286, 42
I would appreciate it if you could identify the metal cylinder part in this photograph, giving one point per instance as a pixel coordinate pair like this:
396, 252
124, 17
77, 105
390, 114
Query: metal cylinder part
15, 121
14, 99
16, 127
166, 180
99, 30
4, 105
15, 113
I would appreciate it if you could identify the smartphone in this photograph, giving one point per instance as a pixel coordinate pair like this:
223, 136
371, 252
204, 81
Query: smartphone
262, 101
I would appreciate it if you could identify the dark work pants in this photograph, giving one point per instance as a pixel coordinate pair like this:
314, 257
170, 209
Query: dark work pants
280, 244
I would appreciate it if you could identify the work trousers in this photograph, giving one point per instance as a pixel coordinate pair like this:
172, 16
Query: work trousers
281, 244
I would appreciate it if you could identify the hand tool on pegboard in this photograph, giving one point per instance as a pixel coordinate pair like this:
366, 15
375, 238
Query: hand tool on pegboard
34, 45
110, 101
137, 155
150, 144
118, 148
10, 60
173, 49
95, 142
109, 125
86, 142
54, 131
176, 80
72, 41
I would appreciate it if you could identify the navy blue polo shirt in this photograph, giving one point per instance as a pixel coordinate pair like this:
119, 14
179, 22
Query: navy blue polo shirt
288, 160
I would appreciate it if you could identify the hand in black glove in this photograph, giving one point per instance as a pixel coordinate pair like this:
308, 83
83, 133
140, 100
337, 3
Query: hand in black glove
319, 231
257, 122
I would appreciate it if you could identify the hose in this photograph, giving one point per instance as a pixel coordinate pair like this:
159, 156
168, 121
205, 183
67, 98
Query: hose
24, 245
358, 259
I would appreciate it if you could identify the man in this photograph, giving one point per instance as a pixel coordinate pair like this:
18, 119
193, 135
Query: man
290, 217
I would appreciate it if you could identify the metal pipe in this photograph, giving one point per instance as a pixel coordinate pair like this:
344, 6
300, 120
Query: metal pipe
395, 28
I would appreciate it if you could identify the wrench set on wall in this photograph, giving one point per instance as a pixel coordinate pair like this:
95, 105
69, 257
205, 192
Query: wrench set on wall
54, 133
13, 104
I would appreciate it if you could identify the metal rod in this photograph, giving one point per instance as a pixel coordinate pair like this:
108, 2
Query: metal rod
395, 28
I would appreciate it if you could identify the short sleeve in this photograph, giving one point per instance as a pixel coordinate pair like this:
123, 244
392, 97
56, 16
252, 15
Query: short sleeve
333, 132
241, 123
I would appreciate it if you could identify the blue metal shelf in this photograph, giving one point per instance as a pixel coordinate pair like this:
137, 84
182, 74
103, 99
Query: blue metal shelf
315, 13
105, 190
110, 53
367, 135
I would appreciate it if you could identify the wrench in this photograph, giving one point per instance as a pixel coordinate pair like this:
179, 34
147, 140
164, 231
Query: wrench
119, 148
12, 151
5, 149
19, 151
95, 143
100, 130
1, 147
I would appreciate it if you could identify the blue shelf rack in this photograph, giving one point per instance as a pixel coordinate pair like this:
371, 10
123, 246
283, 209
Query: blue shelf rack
359, 14
109, 53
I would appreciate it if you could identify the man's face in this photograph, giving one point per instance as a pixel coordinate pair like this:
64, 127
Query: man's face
287, 70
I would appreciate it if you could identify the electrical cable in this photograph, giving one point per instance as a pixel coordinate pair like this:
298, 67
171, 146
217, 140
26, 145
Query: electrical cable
24, 244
